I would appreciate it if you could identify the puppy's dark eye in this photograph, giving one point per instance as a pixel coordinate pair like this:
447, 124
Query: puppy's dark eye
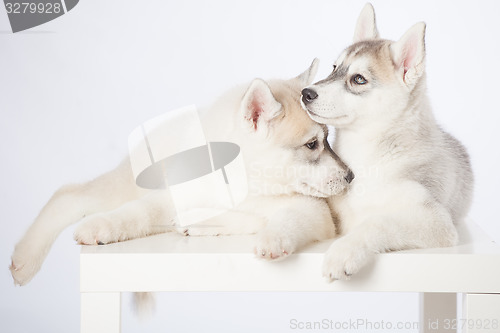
312, 144
359, 79
334, 67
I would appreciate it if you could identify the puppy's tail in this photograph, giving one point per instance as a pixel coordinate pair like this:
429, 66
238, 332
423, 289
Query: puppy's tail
67, 206
144, 305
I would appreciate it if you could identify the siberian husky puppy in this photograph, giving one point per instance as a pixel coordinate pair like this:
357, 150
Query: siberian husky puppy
413, 180
290, 166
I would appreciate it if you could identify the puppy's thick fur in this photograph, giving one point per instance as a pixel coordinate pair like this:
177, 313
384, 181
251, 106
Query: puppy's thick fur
413, 180
291, 170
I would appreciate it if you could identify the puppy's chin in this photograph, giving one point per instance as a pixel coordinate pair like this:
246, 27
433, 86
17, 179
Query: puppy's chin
312, 191
306, 189
334, 120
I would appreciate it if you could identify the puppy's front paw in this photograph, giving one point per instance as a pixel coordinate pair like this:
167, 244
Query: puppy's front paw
97, 230
194, 230
245, 225
271, 245
345, 257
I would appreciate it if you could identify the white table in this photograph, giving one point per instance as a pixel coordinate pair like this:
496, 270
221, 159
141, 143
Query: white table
171, 262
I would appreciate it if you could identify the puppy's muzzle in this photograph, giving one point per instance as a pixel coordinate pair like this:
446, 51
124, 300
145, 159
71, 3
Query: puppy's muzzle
308, 95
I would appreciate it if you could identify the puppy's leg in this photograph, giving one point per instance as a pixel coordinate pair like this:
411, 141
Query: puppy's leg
418, 225
233, 222
67, 206
295, 223
151, 214
284, 225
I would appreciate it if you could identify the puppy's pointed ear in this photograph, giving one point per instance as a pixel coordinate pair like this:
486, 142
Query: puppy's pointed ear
366, 27
308, 75
409, 53
259, 105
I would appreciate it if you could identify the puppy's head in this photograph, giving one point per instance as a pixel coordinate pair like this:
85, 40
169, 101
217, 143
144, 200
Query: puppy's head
288, 151
373, 81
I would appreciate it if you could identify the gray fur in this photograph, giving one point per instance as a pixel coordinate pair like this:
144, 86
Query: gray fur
424, 182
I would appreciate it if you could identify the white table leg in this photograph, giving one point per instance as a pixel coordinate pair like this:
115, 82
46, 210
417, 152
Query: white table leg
481, 313
438, 311
100, 312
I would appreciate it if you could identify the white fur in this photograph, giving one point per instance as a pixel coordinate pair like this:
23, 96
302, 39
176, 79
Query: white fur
413, 181
366, 27
112, 208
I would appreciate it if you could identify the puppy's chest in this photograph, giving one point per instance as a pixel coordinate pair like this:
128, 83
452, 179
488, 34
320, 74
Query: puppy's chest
367, 186
369, 191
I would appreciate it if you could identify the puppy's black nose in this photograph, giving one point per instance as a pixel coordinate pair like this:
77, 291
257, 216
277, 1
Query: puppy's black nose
349, 177
308, 95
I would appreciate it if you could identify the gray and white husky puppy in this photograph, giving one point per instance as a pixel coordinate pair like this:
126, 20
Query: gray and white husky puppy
286, 207
413, 181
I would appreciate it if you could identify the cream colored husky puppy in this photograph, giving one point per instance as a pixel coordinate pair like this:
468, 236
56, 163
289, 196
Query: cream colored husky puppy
290, 168
413, 180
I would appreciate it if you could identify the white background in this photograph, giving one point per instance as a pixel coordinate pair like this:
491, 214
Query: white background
72, 90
